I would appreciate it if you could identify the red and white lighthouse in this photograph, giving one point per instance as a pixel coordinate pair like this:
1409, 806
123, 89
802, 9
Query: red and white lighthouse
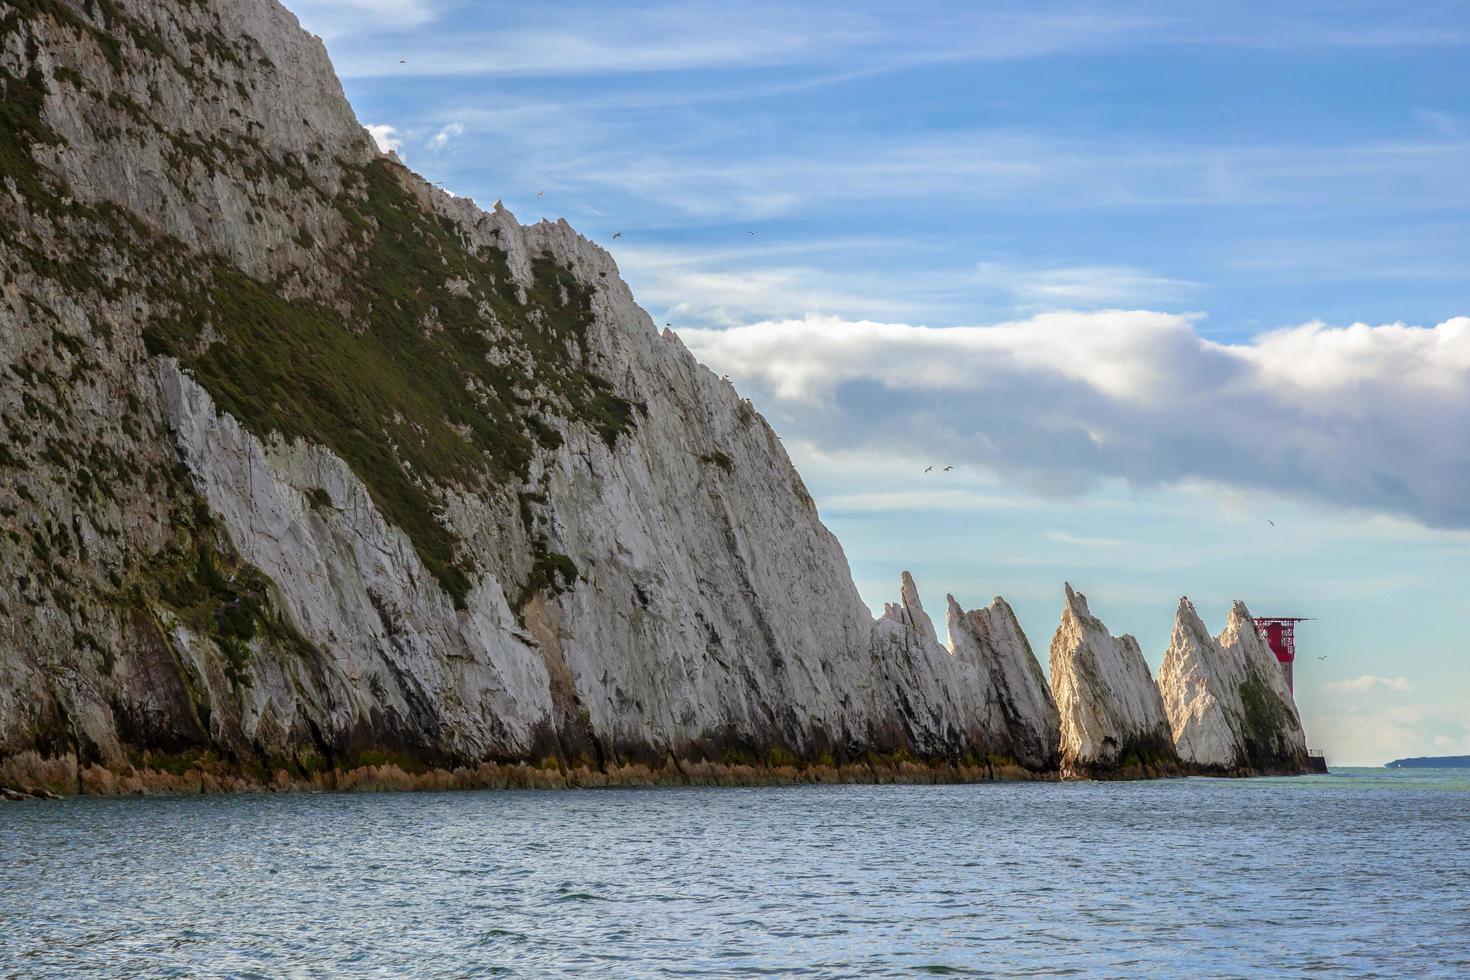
1279, 632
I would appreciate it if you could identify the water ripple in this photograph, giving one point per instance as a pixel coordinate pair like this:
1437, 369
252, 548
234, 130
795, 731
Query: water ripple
1358, 874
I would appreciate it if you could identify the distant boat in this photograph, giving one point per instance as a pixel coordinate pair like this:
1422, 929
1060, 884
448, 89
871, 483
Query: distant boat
1431, 762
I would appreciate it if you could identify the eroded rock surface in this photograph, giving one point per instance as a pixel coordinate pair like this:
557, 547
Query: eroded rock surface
1112, 715
974, 701
309, 465
309, 470
992, 639
1228, 704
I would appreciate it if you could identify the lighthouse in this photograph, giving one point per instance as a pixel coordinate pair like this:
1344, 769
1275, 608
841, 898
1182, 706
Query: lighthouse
1279, 632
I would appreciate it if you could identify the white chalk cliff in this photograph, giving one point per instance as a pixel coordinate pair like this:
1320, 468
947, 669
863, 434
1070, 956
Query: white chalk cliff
1226, 697
1112, 716
308, 464
310, 468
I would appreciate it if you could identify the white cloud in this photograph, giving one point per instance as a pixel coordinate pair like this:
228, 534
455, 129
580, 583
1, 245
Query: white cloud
1441, 122
1370, 737
441, 139
712, 173
1368, 417
346, 18
1081, 285
732, 286
658, 36
1368, 682
759, 279
919, 500
385, 136
1081, 541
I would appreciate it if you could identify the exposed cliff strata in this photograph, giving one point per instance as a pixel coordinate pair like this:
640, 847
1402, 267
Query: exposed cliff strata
1227, 700
975, 702
310, 468
1112, 716
992, 639
314, 475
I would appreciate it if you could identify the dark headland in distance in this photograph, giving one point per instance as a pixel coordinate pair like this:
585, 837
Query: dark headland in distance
1431, 762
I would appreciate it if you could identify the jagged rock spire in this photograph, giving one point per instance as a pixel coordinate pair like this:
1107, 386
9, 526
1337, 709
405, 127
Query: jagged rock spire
1112, 716
1228, 705
909, 610
992, 640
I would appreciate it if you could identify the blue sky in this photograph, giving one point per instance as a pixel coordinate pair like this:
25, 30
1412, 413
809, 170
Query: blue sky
1148, 275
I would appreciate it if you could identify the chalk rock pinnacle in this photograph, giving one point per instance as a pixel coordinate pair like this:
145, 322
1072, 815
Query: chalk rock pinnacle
1229, 708
1112, 716
992, 639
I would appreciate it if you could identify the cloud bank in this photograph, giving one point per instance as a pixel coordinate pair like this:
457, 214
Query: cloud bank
1368, 682
1365, 416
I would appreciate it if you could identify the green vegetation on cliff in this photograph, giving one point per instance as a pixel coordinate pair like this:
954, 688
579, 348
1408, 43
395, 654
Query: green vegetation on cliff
437, 377
430, 370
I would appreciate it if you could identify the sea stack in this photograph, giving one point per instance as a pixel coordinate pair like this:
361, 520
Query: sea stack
992, 639
1227, 700
1113, 723
945, 704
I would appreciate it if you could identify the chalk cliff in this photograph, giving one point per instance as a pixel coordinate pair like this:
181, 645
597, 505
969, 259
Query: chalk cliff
314, 474
310, 468
1228, 704
1112, 716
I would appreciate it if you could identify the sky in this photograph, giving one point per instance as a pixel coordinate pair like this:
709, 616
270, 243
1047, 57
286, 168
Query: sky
1179, 291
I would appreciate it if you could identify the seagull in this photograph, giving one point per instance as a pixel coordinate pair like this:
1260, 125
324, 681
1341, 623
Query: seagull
928, 468
617, 235
948, 468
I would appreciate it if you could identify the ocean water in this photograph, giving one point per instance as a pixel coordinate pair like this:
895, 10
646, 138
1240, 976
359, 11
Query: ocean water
1358, 873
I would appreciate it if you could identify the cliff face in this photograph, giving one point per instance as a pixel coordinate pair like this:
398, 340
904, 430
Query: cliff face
1112, 716
976, 702
310, 470
992, 639
1227, 700
308, 466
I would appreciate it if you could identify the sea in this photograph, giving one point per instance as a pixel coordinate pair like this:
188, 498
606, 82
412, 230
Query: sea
1359, 873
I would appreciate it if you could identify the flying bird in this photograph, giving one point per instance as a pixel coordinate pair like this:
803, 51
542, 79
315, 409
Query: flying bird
1321, 658
540, 193
948, 468
1270, 522
617, 235
752, 233
928, 468
402, 61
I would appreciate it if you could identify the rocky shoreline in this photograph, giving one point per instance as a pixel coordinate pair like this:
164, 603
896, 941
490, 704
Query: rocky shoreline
1098, 736
314, 474
53, 779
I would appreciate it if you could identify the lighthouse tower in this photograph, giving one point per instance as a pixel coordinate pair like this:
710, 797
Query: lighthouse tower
1279, 632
